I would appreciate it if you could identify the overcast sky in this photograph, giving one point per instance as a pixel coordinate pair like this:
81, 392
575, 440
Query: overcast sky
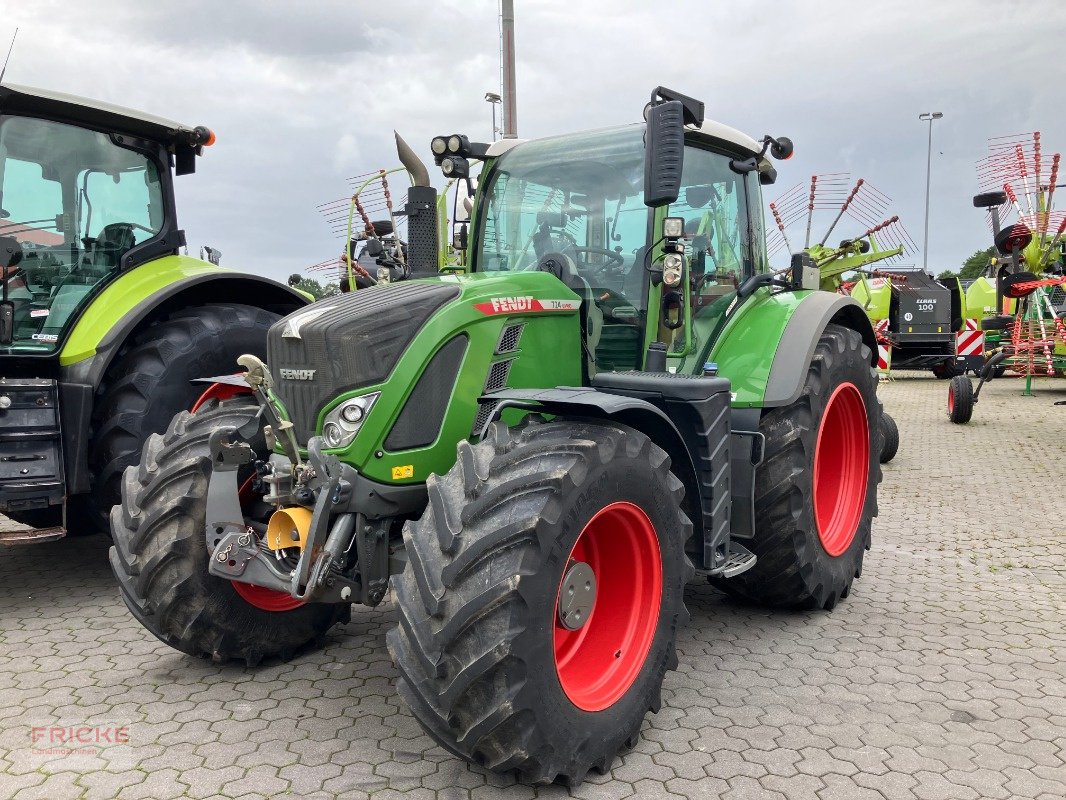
304, 94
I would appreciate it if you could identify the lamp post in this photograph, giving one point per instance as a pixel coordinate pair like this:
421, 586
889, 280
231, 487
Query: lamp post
930, 116
494, 99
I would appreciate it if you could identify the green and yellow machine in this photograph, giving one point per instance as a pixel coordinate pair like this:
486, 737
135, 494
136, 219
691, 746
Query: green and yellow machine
103, 322
535, 454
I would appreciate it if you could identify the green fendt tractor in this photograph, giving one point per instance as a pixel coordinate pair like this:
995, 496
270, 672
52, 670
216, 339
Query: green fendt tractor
538, 453
103, 324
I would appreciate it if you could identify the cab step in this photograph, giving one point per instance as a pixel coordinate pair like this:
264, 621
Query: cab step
31, 535
740, 559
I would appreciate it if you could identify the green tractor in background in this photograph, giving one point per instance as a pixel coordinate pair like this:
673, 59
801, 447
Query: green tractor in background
538, 453
103, 324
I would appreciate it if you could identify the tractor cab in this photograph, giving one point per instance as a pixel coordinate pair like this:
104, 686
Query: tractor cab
85, 194
574, 206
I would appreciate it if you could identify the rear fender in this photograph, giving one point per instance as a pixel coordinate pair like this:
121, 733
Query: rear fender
788, 371
766, 349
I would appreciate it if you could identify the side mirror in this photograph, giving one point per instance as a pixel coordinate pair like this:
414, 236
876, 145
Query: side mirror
460, 237
664, 153
781, 148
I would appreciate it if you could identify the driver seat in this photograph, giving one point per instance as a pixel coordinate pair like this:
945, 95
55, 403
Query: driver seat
113, 242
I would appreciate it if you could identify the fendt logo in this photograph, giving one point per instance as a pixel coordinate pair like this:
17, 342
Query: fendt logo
298, 374
507, 305
517, 305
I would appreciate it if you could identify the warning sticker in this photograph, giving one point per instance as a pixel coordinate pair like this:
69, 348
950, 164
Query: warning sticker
406, 471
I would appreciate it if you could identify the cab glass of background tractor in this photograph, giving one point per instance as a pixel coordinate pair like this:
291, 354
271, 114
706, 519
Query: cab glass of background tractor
574, 206
76, 202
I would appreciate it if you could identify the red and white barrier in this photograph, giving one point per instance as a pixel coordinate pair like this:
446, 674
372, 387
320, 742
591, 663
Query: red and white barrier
970, 340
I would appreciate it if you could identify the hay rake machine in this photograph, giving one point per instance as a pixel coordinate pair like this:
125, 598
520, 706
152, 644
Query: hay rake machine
371, 229
918, 319
374, 229
1018, 181
848, 266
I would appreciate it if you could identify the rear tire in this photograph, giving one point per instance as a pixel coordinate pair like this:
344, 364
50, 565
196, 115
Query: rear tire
890, 438
151, 381
483, 665
160, 553
960, 400
801, 563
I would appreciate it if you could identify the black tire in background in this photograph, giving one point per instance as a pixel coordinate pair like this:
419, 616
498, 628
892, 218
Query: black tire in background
151, 381
478, 639
794, 567
960, 400
945, 370
160, 553
890, 438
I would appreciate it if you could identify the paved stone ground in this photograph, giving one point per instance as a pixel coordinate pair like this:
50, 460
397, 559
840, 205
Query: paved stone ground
942, 676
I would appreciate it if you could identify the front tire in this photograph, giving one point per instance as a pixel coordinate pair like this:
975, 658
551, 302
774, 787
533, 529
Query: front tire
487, 663
160, 554
816, 489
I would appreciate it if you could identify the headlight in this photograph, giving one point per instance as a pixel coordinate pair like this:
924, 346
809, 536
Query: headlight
439, 145
343, 422
672, 264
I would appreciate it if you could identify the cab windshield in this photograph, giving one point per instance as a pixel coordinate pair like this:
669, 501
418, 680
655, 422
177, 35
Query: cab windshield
575, 204
76, 202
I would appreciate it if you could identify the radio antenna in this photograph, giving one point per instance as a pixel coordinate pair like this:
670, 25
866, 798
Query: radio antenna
8, 58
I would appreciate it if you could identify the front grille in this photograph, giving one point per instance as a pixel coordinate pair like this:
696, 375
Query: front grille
349, 341
419, 422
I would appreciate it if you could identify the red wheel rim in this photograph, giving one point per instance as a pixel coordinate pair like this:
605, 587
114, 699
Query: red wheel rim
263, 599
841, 468
951, 400
598, 662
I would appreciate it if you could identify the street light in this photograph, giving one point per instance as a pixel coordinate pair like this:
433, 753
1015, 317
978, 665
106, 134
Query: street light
930, 116
495, 99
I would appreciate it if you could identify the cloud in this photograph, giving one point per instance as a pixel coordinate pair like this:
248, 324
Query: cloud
304, 95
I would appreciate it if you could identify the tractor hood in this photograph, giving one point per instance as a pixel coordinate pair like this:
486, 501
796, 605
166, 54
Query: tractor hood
346, 342
426, 350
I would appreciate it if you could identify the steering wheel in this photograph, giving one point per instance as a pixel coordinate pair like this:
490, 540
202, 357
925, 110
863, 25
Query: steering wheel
616, 259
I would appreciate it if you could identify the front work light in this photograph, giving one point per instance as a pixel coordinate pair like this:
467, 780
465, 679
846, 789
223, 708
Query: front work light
673, 227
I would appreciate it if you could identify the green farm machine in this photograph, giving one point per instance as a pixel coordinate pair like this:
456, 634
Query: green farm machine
103, 323
1026, 328
533, 455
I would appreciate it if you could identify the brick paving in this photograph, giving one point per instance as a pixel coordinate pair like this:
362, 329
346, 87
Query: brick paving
942, 676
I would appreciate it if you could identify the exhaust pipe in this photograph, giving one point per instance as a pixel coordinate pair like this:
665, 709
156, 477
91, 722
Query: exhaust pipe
413, 164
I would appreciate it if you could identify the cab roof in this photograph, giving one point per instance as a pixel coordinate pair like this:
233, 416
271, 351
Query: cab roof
30, 100
713, 132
